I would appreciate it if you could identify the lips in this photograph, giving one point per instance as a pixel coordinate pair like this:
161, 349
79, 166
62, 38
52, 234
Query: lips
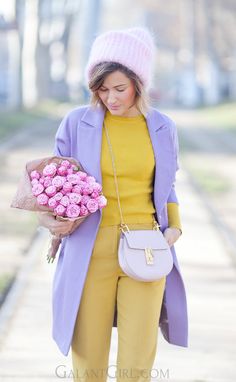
113, 107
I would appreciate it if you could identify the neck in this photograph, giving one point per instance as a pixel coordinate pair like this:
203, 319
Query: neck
128, 113
131, 113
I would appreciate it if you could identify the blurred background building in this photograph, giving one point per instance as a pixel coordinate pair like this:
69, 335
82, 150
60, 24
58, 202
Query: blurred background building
44, 45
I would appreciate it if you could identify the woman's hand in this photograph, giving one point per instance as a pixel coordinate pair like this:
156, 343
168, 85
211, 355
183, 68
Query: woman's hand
171, 235
56, 227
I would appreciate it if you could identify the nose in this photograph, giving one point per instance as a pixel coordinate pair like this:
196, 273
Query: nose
111, 98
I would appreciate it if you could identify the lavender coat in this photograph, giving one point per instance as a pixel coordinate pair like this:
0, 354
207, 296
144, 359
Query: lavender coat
79, 135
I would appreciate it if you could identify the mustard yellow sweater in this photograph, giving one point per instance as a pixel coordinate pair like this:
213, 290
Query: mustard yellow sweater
135, 167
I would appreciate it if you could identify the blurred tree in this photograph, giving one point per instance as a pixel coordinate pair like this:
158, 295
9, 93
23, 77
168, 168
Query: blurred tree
196, 49
44, 31
55, 19
195, 62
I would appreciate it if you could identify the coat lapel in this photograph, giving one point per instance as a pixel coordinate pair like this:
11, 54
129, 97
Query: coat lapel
160, 134
90, 141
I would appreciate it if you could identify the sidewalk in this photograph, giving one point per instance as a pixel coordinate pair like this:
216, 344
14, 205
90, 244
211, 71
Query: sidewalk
18, 226
27, 351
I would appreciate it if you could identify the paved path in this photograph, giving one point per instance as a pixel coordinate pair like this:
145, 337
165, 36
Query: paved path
208, 151
27, 351
18, 226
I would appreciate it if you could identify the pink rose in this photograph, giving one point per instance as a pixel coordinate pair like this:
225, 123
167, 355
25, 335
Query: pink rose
77, 189
95, 194
34, 174
92, 205
69, 171
58, 196
37, 189
74, 198
82, 184
82, 175
47, 182
72, 211
90, 179
97, 187
50, 170
87, 189
42, 179
102, 201
51, 190
52, 202
60, 210
85, 199
58, 181
65, 201
42, 199
73, 178
62, 170
67, 187
83, 210
34, 181
65, 163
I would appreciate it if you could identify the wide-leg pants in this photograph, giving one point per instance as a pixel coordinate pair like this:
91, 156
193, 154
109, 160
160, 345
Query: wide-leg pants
138, 307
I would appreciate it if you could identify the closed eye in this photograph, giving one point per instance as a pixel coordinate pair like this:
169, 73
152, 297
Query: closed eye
104, 90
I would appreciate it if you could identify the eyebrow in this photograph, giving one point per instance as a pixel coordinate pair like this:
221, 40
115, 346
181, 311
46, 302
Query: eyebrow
117, 86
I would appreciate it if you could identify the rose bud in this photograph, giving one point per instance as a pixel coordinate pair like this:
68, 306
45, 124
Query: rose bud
72, 211
49, 170
92, 205
51, 190
34, 175
37, 189
42, 199
60, 210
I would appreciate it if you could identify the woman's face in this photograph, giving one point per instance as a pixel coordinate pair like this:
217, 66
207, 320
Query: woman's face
118, 95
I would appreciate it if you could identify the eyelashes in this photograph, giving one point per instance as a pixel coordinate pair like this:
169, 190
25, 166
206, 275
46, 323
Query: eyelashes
104, 90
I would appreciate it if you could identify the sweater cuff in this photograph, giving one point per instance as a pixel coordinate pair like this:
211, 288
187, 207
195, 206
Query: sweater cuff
174, 216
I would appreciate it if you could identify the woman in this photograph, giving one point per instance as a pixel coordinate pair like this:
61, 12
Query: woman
91, 293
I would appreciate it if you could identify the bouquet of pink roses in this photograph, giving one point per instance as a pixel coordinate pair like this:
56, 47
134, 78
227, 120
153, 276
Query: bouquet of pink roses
60, 186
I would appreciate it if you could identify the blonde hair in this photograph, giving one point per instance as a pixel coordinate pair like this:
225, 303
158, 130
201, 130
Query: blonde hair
98, 76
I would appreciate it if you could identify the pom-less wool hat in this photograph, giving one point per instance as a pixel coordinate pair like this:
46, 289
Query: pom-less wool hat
133, 48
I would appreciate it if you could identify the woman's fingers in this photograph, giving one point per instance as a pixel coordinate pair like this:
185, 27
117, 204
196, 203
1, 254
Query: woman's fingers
57, 226
171, 235
61, 226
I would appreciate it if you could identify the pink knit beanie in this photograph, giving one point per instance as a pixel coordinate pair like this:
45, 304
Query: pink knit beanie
133, 48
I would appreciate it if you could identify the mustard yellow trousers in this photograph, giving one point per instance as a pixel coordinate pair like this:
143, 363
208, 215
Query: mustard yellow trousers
138, 307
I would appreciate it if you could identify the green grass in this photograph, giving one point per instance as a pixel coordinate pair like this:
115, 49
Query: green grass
18, 223
186, 144
12, 121
211, 182
219, 116
5, 279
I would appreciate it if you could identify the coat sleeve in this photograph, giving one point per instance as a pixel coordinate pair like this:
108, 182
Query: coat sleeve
62, 144
172, 198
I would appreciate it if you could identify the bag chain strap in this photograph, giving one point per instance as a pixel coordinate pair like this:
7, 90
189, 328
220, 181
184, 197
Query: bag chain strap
123, 226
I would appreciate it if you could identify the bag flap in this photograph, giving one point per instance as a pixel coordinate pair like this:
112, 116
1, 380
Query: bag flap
137, 239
